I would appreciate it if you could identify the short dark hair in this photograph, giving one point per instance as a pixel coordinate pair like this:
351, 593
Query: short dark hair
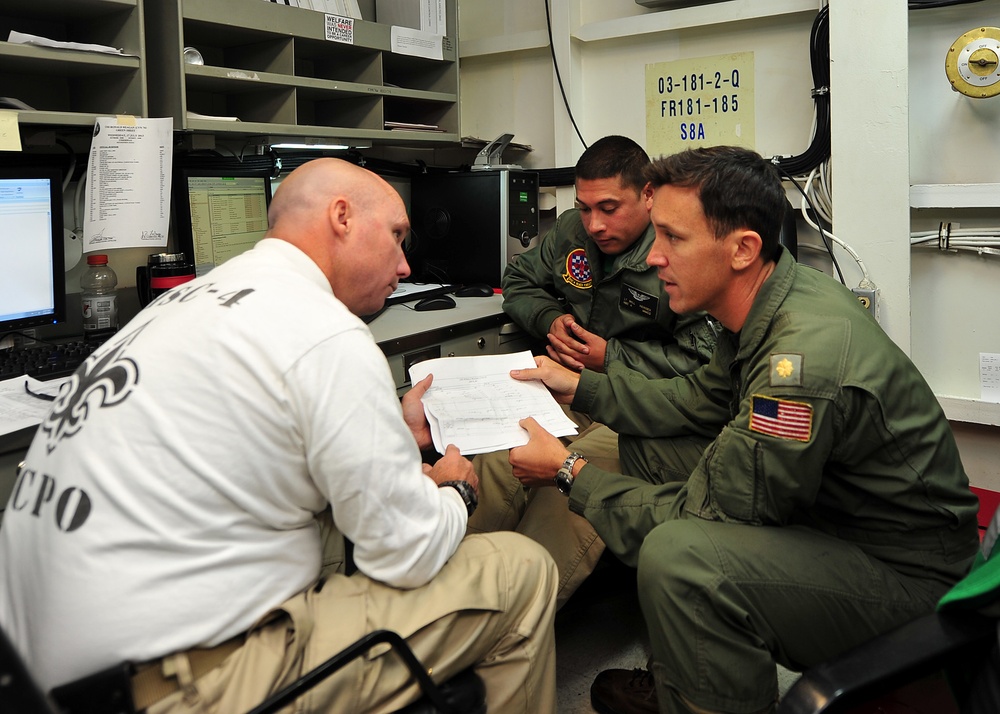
611, 157
737, 186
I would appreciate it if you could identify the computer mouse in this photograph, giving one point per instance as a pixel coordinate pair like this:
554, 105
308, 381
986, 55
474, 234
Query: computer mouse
474, 290
438, 302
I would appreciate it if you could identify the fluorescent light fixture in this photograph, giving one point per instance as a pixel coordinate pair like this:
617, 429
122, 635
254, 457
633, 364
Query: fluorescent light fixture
318, 147
317, 143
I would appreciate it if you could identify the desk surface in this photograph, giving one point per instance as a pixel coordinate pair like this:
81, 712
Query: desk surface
401, 328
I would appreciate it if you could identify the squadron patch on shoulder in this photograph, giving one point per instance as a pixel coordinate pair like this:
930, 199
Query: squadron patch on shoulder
578, 273
786, 370
781, 418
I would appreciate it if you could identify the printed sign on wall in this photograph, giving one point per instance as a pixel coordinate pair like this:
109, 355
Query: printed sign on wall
702, 101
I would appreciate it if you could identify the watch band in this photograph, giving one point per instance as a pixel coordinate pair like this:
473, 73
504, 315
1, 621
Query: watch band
467, 493
564, 476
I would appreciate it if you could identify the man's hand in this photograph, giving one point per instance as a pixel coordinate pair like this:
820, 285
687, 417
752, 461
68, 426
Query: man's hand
535, 464
413, 412
453, 467
580, 349
559, 380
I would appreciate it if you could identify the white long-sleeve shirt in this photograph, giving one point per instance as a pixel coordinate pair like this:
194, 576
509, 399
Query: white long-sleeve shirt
168, 499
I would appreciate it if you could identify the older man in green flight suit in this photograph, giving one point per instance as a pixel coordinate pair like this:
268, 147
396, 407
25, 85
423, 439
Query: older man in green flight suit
831, 505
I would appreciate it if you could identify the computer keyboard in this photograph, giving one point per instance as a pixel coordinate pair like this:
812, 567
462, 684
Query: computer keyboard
44, 360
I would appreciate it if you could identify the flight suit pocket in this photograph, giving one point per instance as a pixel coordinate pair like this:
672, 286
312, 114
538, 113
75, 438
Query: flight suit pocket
734, 469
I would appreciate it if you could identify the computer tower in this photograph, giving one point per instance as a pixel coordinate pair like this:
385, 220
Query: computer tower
466, 226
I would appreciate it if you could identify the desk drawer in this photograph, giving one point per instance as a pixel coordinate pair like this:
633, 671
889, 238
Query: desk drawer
496, 340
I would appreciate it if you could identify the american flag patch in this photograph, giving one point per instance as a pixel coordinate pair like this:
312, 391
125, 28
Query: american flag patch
781, 418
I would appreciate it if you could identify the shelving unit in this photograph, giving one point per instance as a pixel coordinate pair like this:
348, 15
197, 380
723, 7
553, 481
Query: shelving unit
72, 87
271, 67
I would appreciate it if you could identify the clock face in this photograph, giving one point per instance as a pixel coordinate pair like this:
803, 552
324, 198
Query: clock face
973, 63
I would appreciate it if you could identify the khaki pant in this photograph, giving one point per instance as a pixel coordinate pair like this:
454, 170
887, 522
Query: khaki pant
543, 514
490, 607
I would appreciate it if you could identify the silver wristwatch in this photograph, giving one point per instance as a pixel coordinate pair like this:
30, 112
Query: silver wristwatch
564, 476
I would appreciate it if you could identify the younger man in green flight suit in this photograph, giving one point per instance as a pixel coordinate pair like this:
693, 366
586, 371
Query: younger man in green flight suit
831, 504
587, 290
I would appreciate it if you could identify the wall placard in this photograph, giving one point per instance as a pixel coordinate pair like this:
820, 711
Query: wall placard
704, 101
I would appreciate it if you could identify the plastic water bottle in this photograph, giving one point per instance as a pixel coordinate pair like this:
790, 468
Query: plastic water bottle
99, 299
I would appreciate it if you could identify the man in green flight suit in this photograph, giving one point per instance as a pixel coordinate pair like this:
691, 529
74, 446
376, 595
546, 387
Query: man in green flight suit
586, 289
831, 505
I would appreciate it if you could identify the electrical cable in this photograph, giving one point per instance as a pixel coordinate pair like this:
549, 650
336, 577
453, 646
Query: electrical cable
818, 150
823, 233
949, 239
555, 66
925, 4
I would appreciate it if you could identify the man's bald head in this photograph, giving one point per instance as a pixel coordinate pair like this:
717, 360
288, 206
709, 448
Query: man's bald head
304, 194
350, 222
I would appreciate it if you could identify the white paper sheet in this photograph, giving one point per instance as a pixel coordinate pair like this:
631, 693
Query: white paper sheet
128, 184
475, 404
23, 38
417, 43
989, 376
18, 408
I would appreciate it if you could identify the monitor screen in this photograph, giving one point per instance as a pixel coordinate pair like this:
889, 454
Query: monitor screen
32, 276
220, 213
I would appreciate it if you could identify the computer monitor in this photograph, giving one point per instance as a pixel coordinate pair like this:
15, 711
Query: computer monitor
220, 213
32, 273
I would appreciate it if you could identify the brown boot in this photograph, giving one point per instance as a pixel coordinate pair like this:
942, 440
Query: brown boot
623, 691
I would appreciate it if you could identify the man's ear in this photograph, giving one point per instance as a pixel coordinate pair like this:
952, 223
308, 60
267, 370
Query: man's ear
748, 245
339, 216
647, 195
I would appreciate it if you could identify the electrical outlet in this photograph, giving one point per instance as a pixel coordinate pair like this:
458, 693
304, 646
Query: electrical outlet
868, 297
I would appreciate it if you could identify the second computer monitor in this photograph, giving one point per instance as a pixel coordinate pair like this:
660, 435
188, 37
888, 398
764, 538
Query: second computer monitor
220, 213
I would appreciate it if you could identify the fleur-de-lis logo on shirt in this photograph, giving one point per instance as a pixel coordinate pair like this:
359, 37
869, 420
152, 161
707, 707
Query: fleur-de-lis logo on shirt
103, 380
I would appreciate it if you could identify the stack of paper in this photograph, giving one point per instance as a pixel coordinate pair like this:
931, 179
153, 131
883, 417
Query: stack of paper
476, 405
344, 8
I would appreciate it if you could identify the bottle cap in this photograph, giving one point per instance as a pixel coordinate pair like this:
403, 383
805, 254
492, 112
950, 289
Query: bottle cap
97, 259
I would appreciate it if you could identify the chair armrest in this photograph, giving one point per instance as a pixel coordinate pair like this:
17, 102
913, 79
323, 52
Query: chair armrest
951, 641
310, 679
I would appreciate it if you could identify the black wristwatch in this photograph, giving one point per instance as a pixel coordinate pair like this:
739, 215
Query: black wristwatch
467, 493
564, 476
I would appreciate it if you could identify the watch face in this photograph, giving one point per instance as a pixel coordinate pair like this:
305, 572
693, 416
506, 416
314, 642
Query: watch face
564, 482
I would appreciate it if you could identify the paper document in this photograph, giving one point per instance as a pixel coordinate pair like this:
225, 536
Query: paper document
20, 409
475, 404
128, 183
405, 292
23, 38
417, 43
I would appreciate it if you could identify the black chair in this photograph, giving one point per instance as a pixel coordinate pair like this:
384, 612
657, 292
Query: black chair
462, 694
18, 691
942, 663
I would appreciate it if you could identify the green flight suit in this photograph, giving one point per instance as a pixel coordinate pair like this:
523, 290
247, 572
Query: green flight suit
621, 299
617, 297
830, 506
